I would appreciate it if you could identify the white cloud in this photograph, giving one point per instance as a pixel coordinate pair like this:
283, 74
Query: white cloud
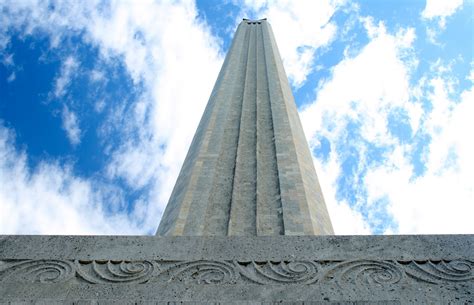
432, 35
71, 126
345, 220
97, 76
69, 66
441, 200
471, 74
7, 60
373, 82
164, 48
99, 105
438, 10
11, 77
178, 63
51, 200
441, 9
365, 89
300, 28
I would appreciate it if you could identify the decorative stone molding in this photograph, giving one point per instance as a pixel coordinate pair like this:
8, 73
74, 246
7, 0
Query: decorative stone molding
324, 270
365, 274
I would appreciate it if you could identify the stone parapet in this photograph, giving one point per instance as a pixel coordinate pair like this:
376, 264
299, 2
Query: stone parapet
416, 269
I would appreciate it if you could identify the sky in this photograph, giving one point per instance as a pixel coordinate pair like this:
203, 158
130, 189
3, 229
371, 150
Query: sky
99, 101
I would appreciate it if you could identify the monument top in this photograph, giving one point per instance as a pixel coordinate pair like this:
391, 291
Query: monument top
253, 21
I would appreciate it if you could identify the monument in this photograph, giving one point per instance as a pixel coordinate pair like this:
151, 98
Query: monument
246, 222
249, 171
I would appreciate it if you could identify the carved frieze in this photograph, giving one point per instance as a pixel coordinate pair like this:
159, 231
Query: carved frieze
364, 274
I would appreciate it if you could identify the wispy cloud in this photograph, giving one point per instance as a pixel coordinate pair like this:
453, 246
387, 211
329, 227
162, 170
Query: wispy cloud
8, 62
439, 9
71, 126
11, 77
69, 66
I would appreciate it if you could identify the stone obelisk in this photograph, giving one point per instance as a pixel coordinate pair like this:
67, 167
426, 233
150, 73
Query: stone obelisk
249, 170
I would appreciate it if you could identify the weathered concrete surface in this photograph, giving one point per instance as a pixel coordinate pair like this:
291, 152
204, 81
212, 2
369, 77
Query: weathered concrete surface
249, 171
434, 269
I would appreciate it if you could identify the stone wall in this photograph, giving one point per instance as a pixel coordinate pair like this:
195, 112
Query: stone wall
436, 269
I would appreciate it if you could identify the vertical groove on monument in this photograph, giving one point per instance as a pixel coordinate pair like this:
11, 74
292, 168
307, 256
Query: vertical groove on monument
269, 206
242, 209
249, 170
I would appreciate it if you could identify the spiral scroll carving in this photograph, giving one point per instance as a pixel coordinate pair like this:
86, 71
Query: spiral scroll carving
441, 271
97, 272
365, 273
39, 271
301, 272
203, 272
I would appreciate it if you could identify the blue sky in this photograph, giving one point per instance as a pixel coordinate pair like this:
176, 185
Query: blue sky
99, 102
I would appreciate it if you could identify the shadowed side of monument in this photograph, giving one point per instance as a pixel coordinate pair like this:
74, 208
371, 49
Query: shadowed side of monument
249, 170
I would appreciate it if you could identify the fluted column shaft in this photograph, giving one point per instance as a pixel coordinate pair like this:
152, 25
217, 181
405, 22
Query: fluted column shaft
249, 170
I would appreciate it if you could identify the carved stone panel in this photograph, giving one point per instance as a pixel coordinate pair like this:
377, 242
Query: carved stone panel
365, 274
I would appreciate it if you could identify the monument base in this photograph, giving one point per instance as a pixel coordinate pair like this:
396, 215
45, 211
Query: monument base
418, 269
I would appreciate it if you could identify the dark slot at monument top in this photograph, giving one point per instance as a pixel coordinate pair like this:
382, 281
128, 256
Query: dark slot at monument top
249, 170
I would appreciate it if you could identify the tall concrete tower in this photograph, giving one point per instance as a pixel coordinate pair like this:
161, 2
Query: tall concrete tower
249, 170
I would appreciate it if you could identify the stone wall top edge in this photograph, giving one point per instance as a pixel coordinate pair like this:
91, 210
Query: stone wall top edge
241, 237
398, 247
